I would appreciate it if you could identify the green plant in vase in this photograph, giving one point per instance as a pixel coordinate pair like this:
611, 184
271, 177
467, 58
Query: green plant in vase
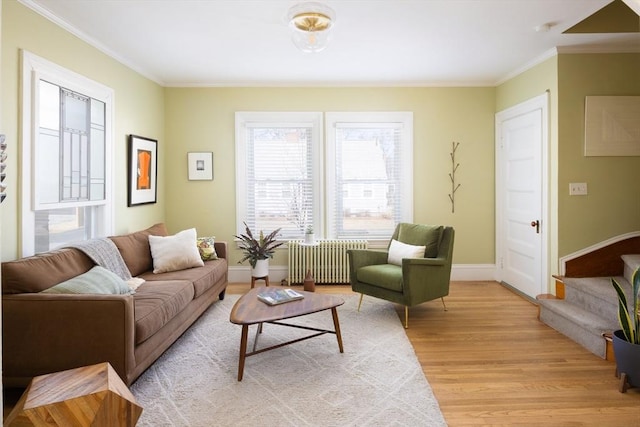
626, 341
257, 249
628, 316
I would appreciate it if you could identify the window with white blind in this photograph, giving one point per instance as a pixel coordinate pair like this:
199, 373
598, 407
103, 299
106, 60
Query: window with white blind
278, 172
369, 173
364, 166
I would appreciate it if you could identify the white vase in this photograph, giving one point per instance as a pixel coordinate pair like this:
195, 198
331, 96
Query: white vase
261, 269
309, 238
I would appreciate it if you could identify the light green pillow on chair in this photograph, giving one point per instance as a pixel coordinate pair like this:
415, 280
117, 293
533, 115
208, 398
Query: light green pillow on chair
98, 280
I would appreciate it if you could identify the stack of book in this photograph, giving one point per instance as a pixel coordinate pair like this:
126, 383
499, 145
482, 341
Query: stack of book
279, 296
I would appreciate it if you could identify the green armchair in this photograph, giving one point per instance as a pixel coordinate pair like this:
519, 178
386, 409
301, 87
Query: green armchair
411, 280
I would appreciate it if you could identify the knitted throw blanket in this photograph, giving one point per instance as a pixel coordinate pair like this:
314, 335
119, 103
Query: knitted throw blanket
105, 254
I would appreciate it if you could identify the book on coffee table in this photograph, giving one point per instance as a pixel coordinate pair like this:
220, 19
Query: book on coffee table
279, 296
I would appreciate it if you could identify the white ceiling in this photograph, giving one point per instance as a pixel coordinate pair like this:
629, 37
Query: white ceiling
375, 42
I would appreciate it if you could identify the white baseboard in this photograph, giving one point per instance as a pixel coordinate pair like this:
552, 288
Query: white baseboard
459, 272
470, 272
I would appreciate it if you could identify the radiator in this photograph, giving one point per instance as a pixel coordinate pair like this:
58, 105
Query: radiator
327, 260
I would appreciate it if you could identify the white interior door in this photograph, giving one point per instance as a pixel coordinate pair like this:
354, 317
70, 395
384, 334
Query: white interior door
521, 244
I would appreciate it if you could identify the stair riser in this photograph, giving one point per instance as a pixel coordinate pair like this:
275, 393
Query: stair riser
631, 264
594, 343
605, 309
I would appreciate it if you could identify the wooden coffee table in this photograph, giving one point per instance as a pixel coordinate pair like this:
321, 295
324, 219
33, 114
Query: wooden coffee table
249, 310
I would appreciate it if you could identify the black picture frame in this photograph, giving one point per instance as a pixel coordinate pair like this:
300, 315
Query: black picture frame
142, 171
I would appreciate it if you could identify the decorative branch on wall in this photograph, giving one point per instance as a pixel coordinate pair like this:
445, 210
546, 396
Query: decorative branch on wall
452, 175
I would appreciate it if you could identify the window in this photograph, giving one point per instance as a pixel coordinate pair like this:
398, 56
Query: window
368, 175
66, 162
277, 164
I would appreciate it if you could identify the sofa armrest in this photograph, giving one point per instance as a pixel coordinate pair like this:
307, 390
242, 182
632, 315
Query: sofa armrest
221, 249
44, 333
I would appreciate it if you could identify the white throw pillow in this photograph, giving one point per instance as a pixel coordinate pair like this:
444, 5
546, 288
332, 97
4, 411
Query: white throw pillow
399, 250
175, 252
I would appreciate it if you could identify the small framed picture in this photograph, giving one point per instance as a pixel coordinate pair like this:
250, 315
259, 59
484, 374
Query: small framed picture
142, 170
200, 166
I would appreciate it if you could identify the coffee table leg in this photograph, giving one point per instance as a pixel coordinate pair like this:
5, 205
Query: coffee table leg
336, 326
243, 351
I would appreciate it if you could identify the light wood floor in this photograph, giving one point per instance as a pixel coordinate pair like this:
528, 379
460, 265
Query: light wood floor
491, 362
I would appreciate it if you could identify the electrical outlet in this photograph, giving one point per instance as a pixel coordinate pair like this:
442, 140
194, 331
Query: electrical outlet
578, 189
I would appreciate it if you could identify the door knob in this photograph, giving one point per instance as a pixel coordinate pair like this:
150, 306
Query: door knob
536, 224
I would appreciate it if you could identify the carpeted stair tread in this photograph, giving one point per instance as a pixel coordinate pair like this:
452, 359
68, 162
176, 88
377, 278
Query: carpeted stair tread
595, 294
579, 315
575, 322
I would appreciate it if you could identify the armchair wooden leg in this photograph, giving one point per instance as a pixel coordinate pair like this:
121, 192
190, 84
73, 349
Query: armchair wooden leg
443, 304
360, 302
406, 317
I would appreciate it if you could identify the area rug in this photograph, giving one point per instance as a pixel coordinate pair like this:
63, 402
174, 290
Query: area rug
377, 381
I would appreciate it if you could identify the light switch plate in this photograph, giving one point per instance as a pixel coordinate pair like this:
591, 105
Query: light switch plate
578, 189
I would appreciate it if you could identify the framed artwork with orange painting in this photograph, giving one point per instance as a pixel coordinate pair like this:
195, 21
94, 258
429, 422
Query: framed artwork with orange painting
142, 170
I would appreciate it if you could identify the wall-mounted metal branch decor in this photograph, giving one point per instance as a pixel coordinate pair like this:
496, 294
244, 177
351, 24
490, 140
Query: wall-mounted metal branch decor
452, 175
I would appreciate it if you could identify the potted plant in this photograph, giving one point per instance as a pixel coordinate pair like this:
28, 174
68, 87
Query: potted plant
626, 341
258, 251
309, 238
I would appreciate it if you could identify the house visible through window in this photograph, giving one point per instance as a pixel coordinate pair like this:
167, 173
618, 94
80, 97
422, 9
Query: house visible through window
367, 173
66, 159
275, 171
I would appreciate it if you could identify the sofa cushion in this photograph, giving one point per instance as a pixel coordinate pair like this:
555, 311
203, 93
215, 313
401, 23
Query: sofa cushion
39, 272
156, 303
421, 235
174, 253
134, 248
98, 280
203, 278
387, 276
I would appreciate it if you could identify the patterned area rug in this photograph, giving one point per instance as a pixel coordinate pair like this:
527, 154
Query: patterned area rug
377, 381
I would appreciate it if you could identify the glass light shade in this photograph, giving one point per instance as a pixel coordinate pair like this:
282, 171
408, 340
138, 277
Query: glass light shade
311, 25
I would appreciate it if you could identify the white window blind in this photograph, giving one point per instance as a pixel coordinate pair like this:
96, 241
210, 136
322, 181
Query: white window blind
277, 172
369, 173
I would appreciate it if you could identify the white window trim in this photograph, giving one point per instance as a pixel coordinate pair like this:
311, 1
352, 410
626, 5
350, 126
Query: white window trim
242, 118
404, 117
35, 68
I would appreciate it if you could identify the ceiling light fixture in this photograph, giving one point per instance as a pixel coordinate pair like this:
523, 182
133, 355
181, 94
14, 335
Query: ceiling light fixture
311, 25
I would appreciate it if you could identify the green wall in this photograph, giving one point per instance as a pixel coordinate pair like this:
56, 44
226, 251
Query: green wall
202, 119
139, 109
612, 206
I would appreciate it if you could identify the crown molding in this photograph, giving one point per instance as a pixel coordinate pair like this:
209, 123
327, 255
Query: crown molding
87, 39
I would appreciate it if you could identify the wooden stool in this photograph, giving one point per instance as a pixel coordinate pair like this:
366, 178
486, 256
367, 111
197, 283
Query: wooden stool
253, 280
88, 396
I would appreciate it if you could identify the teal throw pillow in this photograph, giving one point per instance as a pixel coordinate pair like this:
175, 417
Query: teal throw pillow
98, 280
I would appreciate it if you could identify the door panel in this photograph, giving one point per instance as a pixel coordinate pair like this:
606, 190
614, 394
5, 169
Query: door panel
521, 257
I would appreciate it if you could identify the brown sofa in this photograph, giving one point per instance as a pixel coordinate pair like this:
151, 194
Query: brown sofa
45, 333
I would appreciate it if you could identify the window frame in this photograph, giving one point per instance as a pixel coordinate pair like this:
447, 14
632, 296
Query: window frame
405, 119
34, 69
245, 119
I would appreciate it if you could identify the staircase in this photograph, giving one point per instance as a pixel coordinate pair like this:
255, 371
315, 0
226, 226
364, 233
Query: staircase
589, 310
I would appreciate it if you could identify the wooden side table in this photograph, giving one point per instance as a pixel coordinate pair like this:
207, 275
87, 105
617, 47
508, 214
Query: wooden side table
87, 396
253, 280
